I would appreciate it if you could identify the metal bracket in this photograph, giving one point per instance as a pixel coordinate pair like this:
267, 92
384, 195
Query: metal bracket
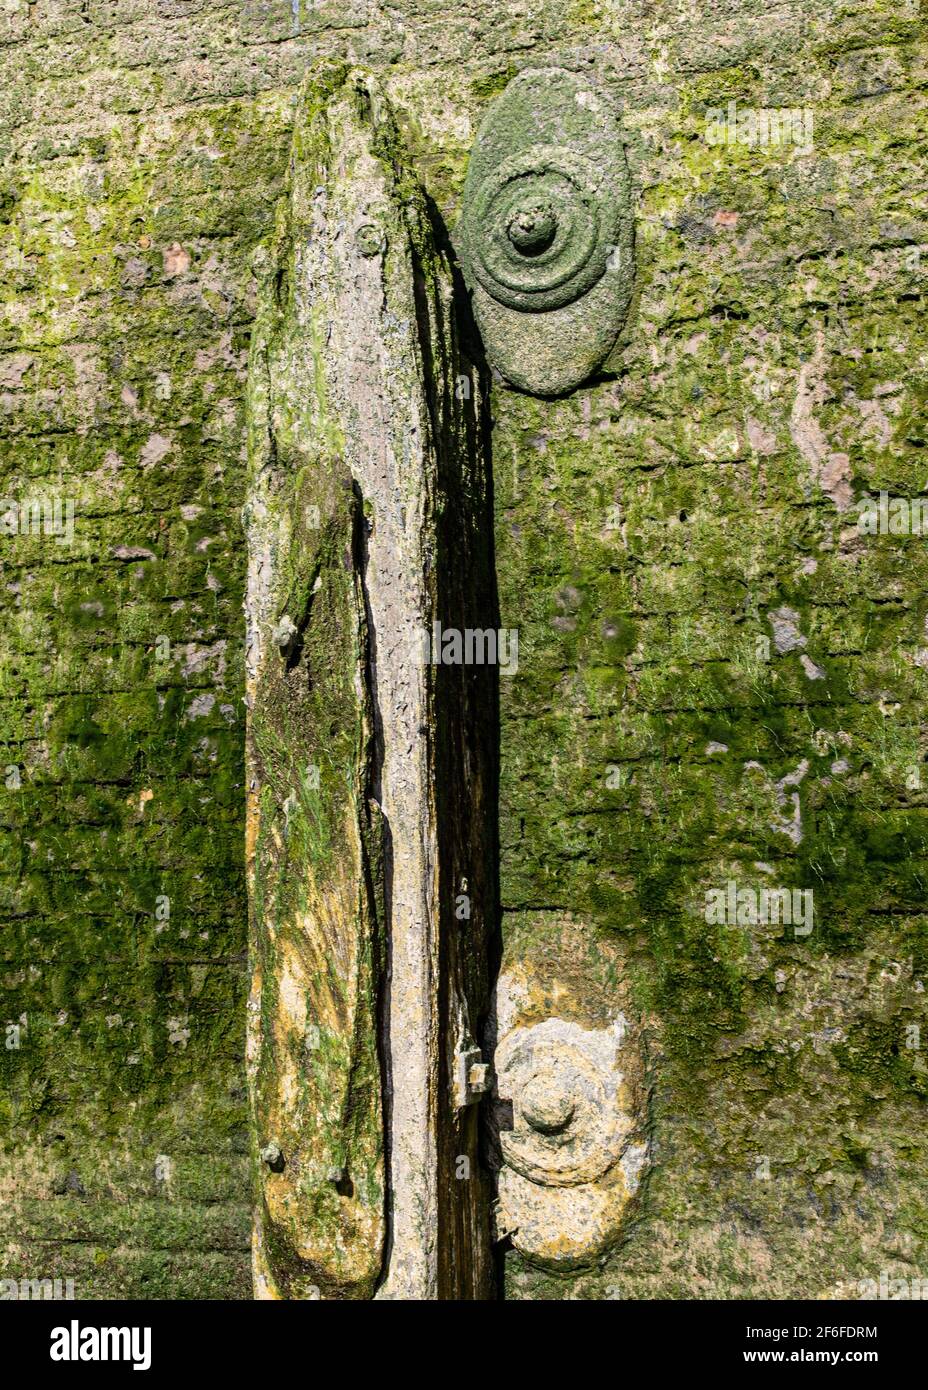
471, 1075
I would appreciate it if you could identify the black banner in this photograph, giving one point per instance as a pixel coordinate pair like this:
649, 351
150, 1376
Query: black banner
268, 1342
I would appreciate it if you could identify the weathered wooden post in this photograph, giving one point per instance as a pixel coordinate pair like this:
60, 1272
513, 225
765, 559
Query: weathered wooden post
371, 782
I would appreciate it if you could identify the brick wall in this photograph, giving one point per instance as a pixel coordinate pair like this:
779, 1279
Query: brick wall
775, 370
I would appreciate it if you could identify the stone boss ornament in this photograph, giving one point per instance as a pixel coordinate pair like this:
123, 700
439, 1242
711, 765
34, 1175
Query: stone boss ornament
546, 233
570, 1121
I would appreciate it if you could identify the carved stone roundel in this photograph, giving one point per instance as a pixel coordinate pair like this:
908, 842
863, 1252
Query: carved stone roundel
546, 233
568, 1127
537, 241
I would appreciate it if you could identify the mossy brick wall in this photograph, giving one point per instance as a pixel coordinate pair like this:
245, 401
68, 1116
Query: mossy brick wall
652, 531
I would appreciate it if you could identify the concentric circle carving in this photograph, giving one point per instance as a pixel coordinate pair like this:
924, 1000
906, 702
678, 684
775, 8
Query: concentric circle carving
535, 232
545, 237
568, 1126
